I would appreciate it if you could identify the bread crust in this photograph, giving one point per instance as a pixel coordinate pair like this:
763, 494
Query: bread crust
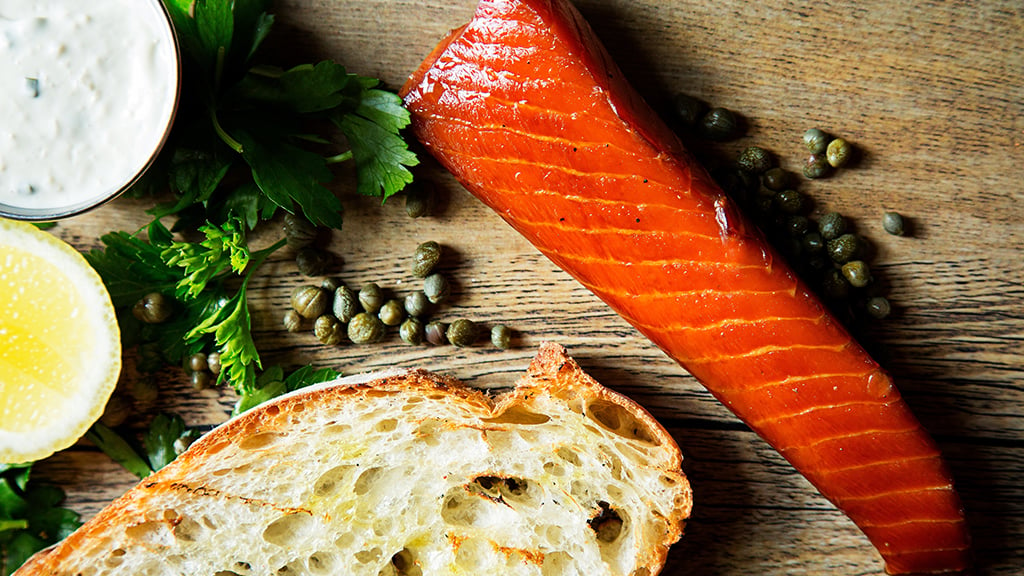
552, 373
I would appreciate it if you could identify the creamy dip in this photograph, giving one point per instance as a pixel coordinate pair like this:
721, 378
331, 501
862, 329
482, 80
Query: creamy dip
87, 89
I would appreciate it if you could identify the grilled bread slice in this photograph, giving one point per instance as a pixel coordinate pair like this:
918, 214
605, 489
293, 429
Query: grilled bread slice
405, 473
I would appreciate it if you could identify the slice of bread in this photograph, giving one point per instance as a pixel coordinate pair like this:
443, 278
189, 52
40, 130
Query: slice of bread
405, 473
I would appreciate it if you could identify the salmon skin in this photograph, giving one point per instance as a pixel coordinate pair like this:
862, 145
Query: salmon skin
526, 108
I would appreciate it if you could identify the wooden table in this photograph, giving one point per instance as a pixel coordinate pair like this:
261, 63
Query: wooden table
932, 95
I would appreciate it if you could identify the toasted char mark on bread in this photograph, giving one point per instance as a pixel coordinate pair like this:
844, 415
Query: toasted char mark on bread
405, 475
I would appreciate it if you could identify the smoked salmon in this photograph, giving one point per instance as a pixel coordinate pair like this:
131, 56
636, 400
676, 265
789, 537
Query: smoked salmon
526, 108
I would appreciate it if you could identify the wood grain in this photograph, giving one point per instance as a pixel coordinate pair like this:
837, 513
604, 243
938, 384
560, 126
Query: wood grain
929, 92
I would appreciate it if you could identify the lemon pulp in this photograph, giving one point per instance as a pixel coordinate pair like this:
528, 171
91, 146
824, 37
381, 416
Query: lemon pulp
59, 344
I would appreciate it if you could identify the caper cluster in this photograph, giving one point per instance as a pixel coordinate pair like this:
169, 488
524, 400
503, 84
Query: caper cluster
711, 122
825, 250
203, 369
302, 236
825, 153
364, 316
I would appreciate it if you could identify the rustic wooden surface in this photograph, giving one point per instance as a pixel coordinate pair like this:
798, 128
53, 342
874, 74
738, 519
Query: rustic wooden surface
929, 91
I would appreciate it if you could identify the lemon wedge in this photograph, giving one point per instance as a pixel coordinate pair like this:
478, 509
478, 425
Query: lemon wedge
60, 348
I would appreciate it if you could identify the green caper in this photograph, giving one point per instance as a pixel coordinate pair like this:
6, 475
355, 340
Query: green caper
892, 222
310, 301
392, 313
201, 380
789, 201
371, 297
755, 160
686, 109
436, 288
416, 303
328, 330
419, 199
835, 285
776, 179
312, 261
797, 225
844, 248
816, 166
501, 336
832, 225
330, 284
298, 232
838, 152
116, 411
719, 124
857, 273
365, 328
144, 392
213, 362
878, 307
813, 243
153, 308
815, 140
411, 331
292, 321
197, 362
425, 258
462, 332
435, 333
345, 304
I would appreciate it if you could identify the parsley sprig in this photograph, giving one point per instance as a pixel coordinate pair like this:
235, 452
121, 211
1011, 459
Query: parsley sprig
30, 516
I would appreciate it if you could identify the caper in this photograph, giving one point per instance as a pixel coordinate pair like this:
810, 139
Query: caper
425, 258
892, 222
797, 225
835, 285
153, 308
298, 232
328, 330
815, 140
435, 333
844, 248
416, 303
201, 380
411, 331
462, 332
144, 392
776, 179
392, 313
838, 152
813, 243
857, 273
686, 109
365, 328
187, 438
419, 199
213, 362
789, 201
312, 261
197, 362
720, 124
345, 304
310, 301
755, 160
501, 336
832, 225
330, 284
878, 307
371, 297
116, 411
816, 166
436, 288
292, 321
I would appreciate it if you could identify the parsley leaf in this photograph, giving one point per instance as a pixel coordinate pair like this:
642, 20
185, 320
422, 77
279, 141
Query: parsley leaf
273, 383
224, 247
30, 516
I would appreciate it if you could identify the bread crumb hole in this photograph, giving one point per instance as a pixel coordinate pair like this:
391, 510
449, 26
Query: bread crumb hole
405, 564
257, 441
366, 481
554, 469
386, 425
323, 563
298, 407
371, 556
518, 415
557, 563
617, 419
289, 529
606, 524
329, 481
226, 573
569, 455
151, 532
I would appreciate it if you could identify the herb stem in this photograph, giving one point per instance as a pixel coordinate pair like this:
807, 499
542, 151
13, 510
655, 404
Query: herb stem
231, 142
257, 258
339, 158
6, 525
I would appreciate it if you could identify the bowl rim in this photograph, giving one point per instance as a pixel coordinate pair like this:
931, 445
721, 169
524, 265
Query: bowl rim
70, 210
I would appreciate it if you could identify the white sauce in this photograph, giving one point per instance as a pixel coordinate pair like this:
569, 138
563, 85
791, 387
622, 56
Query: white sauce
87, 88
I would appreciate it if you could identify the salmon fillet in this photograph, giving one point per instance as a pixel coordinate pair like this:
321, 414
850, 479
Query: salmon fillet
526, 108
